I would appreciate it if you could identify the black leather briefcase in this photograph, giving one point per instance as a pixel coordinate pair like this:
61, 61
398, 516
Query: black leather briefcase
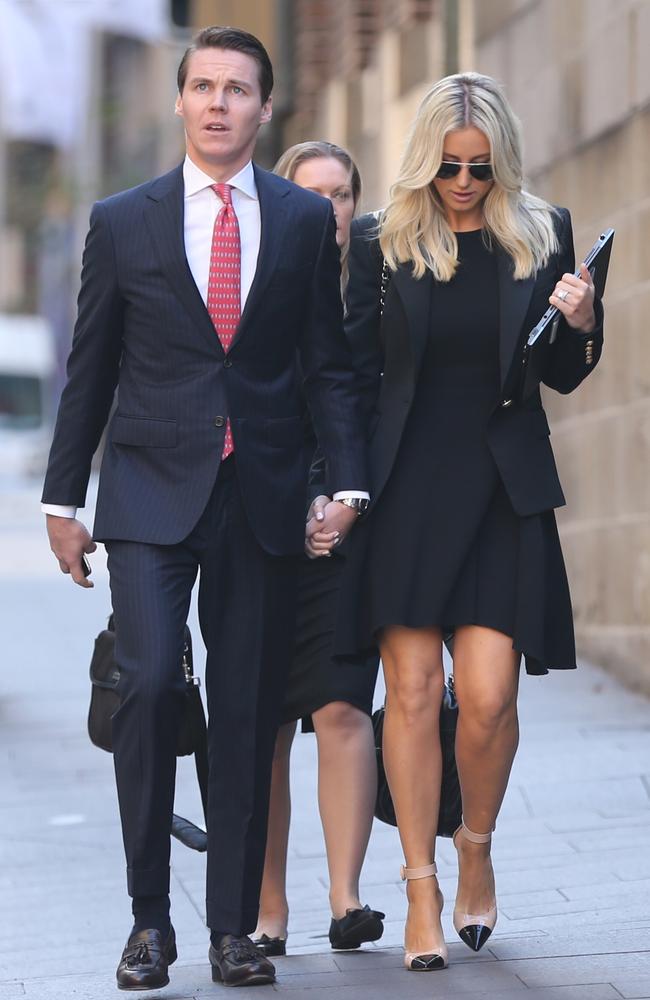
105, 698
192, 738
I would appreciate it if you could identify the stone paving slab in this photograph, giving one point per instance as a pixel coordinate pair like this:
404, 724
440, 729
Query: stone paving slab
582, 970
616, 941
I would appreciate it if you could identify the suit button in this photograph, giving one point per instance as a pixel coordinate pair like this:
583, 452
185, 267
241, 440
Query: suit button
219, 421
505, 403
227, 363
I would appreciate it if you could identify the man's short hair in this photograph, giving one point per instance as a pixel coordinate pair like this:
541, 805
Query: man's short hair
235, 40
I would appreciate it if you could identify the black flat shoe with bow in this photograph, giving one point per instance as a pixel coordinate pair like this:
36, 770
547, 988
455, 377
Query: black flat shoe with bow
145, 960
272, 947
355, 928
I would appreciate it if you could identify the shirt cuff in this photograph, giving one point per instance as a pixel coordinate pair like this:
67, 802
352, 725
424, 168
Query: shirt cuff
58, 510
351, 495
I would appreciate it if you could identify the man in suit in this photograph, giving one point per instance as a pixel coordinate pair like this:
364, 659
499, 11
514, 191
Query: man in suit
207, 296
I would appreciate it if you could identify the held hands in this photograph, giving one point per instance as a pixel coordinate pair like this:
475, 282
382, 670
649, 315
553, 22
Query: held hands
574, 297
328, 522
69, 540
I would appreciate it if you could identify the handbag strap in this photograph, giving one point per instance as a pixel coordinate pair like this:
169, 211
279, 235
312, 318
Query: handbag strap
196, 718
196, 715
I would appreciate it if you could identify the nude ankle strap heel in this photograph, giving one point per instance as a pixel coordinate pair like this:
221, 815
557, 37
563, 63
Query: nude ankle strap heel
436, 958
474, 928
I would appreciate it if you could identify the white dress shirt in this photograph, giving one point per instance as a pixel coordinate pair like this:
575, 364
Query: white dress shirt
201, 206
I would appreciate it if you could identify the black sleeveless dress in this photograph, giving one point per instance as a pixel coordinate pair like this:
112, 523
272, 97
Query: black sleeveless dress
443, 546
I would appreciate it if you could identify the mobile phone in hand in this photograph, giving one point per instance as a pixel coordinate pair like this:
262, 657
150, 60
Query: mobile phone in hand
86, 568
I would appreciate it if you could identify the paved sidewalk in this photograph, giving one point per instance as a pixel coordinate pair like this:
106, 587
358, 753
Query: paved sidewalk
572, 850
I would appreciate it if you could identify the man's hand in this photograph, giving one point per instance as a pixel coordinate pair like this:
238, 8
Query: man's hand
69, 539
323, 535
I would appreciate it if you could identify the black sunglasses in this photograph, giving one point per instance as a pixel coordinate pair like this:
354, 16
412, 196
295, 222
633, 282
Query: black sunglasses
479, 171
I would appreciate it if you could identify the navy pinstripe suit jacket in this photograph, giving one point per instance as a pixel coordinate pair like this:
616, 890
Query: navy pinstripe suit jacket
142, 328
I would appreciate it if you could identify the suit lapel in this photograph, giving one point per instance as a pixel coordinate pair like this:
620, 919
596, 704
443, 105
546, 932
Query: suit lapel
273, 197
164, 217
416, 300
514, 298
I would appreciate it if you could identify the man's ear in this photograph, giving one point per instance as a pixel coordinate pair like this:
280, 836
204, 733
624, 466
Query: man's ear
267, 112
178, 106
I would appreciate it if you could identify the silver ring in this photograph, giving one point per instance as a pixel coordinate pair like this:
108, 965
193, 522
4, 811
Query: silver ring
563, 295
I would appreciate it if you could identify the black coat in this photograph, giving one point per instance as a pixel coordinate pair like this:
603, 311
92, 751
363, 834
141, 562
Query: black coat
143, 328
388, 355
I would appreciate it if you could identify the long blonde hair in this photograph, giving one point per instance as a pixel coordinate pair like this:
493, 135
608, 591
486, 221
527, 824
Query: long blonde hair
291, 159
414, 227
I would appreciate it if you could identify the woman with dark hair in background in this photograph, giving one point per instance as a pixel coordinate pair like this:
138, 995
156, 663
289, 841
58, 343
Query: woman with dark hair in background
461, 535
332, 698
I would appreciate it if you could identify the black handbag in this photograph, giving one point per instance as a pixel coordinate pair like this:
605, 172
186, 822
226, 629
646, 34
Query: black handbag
192, 737
449, 817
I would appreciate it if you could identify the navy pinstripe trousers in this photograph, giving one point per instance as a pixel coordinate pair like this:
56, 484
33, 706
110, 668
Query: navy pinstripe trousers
246, 613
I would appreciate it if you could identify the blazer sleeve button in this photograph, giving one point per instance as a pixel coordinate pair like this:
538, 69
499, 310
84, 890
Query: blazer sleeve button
219, 421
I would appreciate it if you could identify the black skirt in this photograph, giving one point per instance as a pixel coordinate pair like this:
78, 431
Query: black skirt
315, 678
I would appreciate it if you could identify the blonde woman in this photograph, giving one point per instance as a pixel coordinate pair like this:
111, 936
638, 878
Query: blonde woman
461, 535
334, 699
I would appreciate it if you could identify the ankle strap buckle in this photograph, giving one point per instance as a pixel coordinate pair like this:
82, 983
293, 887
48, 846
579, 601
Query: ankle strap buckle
426, 871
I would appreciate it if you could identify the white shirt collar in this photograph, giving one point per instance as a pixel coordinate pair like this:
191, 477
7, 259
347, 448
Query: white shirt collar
194, 179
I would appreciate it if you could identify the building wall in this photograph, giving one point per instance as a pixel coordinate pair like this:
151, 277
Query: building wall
578, 74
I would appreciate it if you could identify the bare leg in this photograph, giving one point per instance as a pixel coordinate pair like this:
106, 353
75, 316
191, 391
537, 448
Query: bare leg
347, 786
486, 675
274, 909
412, 660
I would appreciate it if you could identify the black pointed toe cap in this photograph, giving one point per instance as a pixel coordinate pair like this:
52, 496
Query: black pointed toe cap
475, 935
427, 963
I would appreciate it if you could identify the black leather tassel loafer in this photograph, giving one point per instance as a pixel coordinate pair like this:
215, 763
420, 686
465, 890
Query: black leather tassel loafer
237, 962
145, 960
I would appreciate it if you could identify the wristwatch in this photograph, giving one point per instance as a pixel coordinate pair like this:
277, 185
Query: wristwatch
360, 504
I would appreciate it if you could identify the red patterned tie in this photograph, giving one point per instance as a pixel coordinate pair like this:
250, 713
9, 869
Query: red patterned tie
224, 284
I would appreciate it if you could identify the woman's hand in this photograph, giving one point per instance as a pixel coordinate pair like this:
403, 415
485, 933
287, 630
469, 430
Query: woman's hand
317, 507
318, 542
323, 535
574, 297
